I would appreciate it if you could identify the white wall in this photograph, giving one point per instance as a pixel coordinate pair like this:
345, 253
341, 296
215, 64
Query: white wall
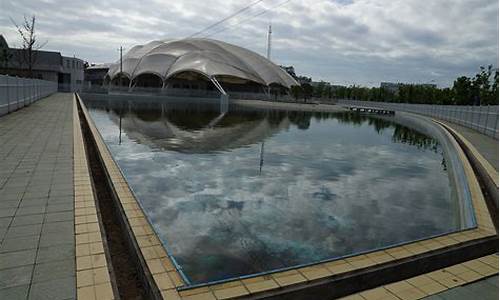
74, 67
16, 93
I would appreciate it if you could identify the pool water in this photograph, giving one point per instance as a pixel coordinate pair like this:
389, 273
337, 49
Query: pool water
255, 190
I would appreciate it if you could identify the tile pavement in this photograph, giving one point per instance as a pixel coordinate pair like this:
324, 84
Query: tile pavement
92, 264
487, 146
485, 289
473, 279
37, 244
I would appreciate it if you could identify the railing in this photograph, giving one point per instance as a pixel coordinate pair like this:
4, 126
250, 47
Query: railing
179, 92
483, 119
16, 92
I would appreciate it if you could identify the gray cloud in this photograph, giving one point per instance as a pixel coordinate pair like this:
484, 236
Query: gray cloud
344, 41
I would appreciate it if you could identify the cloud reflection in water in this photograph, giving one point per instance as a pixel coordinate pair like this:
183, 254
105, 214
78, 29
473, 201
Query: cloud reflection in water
330, 185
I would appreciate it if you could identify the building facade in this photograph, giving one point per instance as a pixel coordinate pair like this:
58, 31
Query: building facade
94, 75
71, 78
394, 87
46, 65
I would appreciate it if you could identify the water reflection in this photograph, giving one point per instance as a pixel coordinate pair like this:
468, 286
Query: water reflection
258, 189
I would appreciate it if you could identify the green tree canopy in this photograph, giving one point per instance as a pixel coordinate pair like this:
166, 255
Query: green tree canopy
479, 89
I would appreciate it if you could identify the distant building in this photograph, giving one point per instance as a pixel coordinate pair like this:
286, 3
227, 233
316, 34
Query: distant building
48, 65
394, 87
304, 80
337, 86
94, 75
429, 85
71, 78
317, 83
390, 86
290, 70
300, 79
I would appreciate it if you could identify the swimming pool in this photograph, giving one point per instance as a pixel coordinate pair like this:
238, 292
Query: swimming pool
255, 190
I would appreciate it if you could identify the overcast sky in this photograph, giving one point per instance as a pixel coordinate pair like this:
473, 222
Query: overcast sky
342, 41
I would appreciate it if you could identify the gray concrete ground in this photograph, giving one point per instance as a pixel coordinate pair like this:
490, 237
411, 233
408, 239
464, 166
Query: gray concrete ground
487, 146
37, 244
486, 289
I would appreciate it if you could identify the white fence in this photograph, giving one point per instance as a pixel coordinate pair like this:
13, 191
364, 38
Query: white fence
180, 92
16, 92
483, 118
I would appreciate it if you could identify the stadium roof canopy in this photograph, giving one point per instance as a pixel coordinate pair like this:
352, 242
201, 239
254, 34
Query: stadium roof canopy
208, 57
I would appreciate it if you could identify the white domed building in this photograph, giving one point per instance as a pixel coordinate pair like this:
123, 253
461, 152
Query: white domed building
197, 64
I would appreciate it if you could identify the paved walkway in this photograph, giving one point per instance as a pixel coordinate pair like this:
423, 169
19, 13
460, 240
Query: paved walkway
487, 146
486, 289
37, 245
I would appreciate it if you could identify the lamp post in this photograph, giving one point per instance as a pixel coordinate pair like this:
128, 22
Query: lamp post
121, 65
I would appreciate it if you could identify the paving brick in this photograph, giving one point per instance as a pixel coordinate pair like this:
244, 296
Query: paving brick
7, 212
33, 202
19, 243
61, 200
53, 239
493, 281
63, 227
30, 210
57, 289
55, 253
59, 216
9, 204
36, 194
16, 259
23, 230
16, 292
27, 220
36, 190
60, 207
54, 270
15, 276
4, 222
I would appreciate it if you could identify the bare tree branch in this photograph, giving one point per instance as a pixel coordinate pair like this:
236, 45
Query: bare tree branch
30, 43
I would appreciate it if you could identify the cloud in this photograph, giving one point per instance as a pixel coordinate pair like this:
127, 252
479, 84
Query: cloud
343, 41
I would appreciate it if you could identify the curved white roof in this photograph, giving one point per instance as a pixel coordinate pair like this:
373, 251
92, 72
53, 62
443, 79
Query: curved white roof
206, 56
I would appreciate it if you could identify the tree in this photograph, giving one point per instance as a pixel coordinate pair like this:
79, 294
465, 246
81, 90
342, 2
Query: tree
5, 54
29, 41
328, 93
480, 89
462, 88
319, 89
5, 57
307, 91
484, 86
296, 90
494, 89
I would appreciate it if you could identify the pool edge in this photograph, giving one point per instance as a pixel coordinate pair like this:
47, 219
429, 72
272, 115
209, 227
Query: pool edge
158, 270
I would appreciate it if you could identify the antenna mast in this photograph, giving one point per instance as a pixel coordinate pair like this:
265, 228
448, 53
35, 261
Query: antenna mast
269, 42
